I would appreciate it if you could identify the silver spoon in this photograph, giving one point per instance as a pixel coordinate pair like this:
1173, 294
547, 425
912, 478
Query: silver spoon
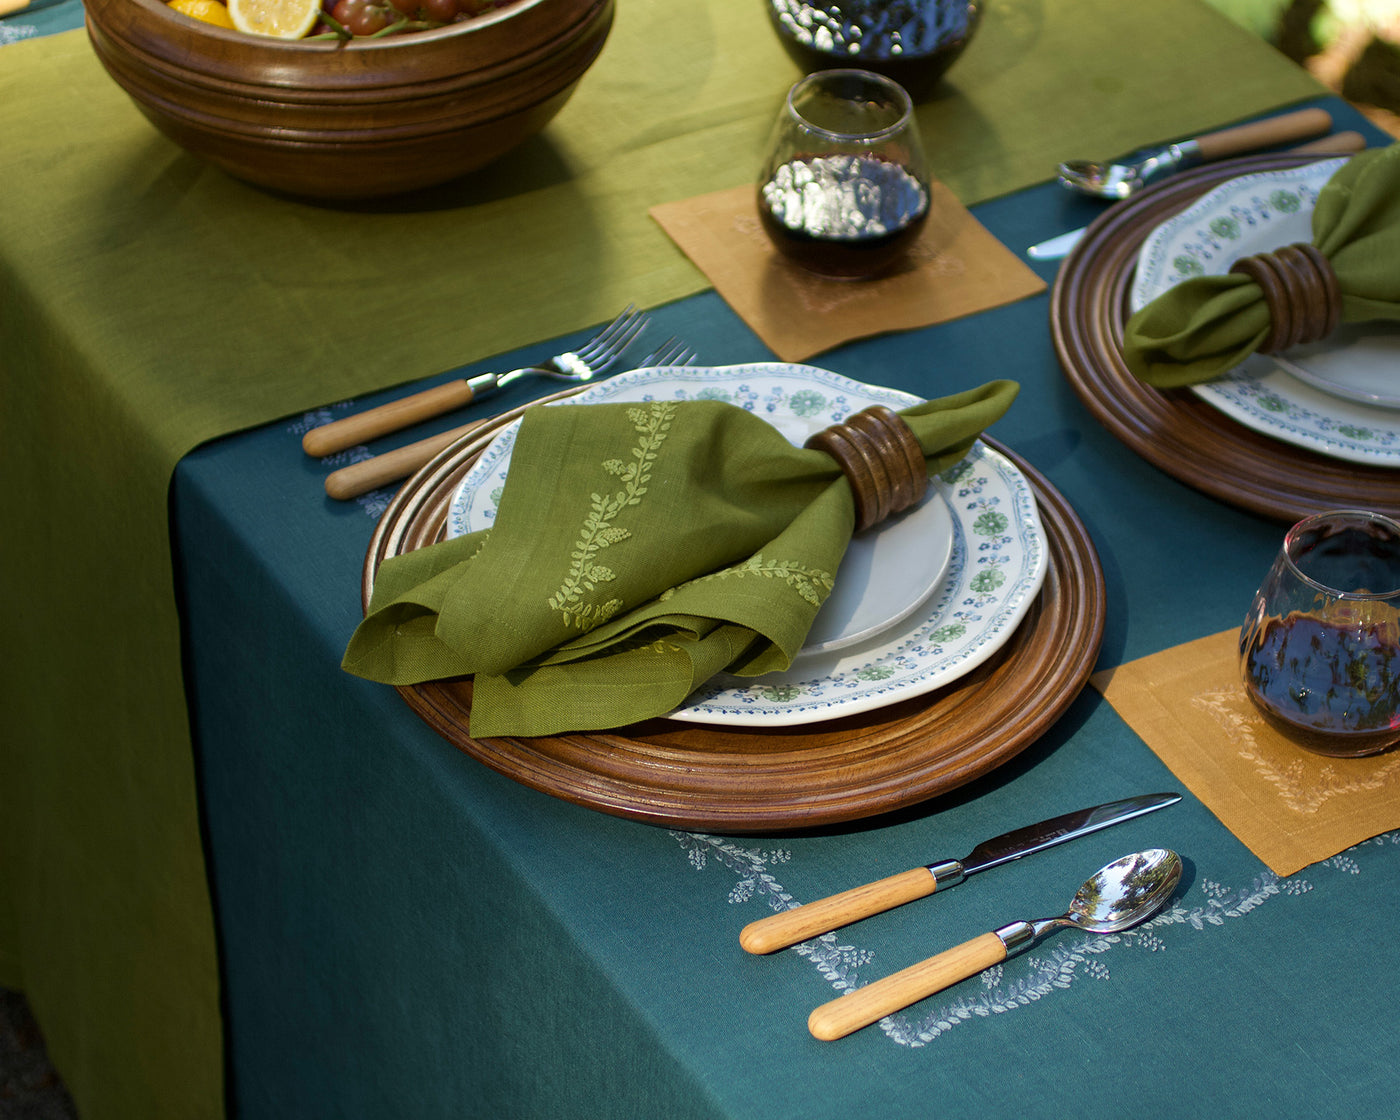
1338, 144
1130, 173
1128, 891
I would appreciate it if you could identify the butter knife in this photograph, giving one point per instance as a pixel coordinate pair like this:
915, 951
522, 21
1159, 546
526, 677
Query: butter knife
778, 931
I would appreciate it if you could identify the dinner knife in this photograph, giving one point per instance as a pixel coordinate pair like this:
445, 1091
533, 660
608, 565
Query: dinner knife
778, 931
1056, 247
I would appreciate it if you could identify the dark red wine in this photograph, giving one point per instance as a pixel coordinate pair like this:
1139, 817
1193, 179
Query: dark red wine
1333, 688
842, 216
912, 41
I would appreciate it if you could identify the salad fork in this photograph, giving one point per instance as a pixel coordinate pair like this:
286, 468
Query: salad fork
598, 354
380, 470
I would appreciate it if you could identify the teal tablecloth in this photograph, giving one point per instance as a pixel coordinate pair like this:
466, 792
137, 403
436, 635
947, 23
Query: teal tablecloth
148, 304
406, 933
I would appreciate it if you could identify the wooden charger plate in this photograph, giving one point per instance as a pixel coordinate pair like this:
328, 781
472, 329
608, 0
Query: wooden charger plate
736, 780
1176, 430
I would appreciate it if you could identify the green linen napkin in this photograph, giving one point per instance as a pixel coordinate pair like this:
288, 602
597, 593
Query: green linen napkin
1206, 326
638, 550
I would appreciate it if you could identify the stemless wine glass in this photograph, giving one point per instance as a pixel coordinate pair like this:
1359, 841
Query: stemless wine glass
1320, 647
912, 41
844, 188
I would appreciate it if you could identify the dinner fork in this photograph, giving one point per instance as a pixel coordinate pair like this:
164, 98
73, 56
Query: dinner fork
599, 353
380, 470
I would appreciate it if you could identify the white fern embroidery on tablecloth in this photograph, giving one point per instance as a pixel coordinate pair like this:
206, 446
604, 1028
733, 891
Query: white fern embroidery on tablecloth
1023, 979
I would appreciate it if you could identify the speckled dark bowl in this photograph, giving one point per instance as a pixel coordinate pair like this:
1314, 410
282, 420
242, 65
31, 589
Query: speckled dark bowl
363, 119
912, 41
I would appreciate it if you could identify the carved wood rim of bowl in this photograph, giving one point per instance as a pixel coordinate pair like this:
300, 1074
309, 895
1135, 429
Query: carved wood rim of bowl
362, 119
464, 54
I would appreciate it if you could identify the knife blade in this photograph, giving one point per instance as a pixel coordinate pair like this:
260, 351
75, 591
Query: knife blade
1056, 247
778, 931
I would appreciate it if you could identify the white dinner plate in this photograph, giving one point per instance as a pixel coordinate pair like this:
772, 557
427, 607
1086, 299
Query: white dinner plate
895, 635
1337, 397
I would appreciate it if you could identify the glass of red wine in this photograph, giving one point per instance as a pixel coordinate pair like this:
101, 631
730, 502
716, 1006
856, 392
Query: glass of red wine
912, 41
844, 189
1320, 647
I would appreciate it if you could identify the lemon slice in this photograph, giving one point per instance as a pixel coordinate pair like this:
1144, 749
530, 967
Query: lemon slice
208, 11
281, 19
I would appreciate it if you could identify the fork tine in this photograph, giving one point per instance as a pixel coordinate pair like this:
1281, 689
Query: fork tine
614, 337
672, 352
605, 360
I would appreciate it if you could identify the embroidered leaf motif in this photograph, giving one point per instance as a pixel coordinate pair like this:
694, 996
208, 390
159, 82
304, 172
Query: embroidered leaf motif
652, 423
811, 584
1003, 988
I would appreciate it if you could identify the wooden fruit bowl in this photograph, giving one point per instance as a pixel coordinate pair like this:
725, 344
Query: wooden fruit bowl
362, 119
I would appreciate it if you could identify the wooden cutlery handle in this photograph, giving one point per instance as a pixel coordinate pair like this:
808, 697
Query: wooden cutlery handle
1338, 144
375, 422
380, 470
1262, 134
894, 993
778, 931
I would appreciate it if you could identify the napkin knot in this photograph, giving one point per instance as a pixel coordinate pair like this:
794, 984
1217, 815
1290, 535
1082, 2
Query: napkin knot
1301, 292
881, 458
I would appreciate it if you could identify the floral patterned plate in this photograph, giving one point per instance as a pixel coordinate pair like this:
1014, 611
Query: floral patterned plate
930, 635
1327, 397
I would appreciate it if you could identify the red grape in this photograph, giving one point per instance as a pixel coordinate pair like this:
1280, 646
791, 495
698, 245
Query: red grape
360, 17
439, 11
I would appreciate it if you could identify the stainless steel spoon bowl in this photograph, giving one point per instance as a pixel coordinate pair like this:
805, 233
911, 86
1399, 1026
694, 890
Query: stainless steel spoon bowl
1128, 891
1116, 897
1128, 174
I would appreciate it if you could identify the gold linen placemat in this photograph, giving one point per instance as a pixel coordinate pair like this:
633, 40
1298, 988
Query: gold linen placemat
1289, 806
956, 268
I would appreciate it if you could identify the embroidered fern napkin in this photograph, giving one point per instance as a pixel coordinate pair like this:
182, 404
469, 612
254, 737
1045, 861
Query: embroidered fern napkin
1206, 326
638, 550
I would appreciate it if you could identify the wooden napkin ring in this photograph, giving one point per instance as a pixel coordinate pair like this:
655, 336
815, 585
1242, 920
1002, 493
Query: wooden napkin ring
1301, 291
881, 457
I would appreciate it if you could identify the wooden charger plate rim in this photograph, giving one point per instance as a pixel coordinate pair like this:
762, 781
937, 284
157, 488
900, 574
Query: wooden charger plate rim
773, 779
1176, 430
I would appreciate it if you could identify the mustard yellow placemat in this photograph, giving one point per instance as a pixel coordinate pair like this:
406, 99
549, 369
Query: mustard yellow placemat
956, 268
1289, 806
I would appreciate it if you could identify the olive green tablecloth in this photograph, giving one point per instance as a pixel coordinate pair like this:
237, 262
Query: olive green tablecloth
148, 304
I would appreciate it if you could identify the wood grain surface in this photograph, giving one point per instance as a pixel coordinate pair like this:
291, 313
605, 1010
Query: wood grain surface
744, 780
1176, 430
361, 119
